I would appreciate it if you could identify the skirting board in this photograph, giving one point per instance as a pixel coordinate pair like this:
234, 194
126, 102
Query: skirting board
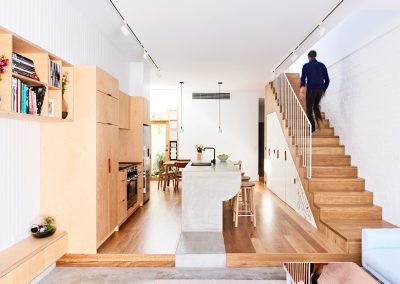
232, 259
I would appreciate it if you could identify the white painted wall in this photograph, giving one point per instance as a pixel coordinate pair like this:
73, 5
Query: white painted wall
61, 29
139, 79
239, 117
363, 101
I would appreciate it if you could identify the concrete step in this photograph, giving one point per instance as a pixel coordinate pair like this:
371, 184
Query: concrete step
201, 249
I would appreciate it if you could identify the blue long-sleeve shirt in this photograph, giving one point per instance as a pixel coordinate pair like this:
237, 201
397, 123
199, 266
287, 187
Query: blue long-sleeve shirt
315, 76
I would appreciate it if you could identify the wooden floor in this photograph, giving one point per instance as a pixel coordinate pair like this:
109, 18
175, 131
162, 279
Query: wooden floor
155, 229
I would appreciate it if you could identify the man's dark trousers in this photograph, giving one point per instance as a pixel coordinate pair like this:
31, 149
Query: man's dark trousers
313, 99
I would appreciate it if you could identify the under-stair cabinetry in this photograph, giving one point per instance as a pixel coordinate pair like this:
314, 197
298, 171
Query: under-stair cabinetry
80, 169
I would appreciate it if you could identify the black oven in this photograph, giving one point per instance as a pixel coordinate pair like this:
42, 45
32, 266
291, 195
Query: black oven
132, 186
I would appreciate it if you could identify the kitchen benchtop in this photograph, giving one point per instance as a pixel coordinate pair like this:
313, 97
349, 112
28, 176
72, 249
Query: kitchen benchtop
124, 165
224, 167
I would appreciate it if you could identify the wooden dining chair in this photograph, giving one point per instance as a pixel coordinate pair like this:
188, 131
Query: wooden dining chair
179, 165
161, 174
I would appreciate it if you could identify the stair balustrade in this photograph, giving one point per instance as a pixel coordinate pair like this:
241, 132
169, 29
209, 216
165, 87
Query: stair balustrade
296, 118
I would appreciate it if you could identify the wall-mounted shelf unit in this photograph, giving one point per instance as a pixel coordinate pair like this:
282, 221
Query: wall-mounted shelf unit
17, 89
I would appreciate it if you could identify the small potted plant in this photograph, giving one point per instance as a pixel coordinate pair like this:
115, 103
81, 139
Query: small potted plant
199, 149
64, 83
47, 228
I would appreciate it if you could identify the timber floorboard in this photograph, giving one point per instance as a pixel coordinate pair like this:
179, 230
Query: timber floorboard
155, 229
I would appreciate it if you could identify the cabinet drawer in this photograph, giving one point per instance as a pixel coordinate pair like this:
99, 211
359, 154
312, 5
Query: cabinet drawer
106, 83
122, 201
107, 109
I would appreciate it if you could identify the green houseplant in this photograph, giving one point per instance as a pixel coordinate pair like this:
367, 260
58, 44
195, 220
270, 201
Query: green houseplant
199, 149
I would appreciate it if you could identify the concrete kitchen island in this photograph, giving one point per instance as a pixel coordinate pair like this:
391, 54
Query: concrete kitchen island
204, 188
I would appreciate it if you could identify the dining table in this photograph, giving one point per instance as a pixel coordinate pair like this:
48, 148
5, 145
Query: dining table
168, 169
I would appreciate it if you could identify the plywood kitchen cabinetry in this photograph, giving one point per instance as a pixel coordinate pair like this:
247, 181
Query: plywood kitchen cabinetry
122, 197
131, 148
124, 110
79, 163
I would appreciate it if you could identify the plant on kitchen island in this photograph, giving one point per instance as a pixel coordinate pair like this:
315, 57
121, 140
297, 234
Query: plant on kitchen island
199, 148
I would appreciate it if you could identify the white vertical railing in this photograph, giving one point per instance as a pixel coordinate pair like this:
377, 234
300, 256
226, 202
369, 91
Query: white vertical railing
296, 119
298, 272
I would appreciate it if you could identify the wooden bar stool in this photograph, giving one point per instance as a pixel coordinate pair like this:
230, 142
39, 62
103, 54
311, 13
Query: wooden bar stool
244, 204
245, 178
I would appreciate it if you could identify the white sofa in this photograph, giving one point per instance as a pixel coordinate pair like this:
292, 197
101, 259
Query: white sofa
381, 253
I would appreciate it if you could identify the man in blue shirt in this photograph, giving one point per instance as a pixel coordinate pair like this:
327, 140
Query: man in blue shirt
315, 76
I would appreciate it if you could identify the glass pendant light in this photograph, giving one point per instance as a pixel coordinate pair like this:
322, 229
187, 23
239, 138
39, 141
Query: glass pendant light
181, 130
219, 129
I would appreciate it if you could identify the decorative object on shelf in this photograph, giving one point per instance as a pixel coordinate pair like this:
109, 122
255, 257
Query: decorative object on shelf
199, 149
223, 157
219, 129
24, 66
64, 83
47, 228
50, 108
181, 110
3, 65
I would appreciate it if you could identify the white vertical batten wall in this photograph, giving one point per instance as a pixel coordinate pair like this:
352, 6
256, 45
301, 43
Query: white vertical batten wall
62, 30
19, 179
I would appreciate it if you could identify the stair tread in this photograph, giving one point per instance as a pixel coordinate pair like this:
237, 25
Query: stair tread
334, 167
366, 192
350, 206
327, 136
330, 156
337, 179
328, 146
351, 229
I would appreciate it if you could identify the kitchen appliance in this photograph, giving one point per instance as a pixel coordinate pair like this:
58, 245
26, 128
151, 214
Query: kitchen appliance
146, 163
132, 186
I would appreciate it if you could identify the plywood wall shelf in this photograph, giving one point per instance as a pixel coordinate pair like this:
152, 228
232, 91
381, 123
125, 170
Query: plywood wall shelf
10, 43
29, 81
30, 117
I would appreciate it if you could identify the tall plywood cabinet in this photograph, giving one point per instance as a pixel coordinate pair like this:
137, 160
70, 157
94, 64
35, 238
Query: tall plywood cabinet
79, 176
131, 149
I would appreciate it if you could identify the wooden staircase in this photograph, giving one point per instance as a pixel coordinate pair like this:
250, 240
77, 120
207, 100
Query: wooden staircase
337, 196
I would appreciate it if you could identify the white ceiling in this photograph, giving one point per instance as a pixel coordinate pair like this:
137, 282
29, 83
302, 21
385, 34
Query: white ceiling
202, 42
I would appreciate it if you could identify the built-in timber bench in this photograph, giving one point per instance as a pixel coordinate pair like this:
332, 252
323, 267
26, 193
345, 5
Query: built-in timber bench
28, 258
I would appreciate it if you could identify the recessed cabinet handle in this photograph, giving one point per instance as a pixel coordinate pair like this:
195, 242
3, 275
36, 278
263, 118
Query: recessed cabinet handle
109, 166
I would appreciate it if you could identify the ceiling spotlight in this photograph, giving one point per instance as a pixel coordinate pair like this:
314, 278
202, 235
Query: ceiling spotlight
145, 54
321, 30
294, 56
125, 29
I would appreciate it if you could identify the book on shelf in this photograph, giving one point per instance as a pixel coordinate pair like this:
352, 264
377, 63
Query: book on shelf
26, 99
54, 74
23, 66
